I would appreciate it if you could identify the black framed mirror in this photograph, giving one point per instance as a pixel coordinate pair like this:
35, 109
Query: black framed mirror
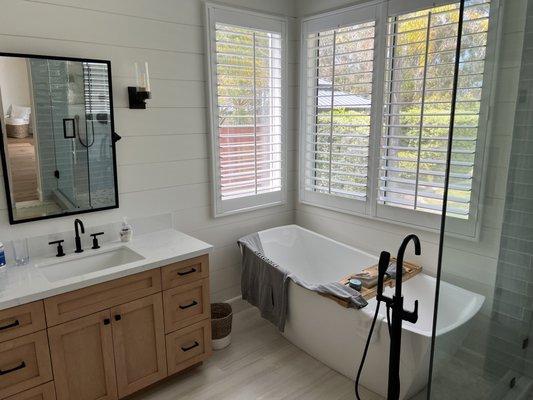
57, 136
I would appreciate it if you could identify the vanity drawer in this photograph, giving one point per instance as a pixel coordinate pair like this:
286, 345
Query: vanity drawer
185, 305
188, 346
89, 300
185, 271
43, 392
21, 320
24, 363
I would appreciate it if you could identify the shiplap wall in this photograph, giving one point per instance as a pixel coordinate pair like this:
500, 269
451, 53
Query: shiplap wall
163, 164
163, 155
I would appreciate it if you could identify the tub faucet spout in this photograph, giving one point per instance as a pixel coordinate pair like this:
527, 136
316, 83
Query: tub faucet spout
399, 260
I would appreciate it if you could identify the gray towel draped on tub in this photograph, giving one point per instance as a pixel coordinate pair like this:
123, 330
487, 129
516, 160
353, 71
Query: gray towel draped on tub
265, 284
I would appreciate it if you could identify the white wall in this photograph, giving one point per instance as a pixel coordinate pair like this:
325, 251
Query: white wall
14, 82
163, 154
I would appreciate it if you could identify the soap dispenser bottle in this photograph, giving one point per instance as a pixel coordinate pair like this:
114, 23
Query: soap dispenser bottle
126, 232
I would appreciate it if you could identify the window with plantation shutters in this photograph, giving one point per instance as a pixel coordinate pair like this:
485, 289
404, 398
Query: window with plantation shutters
337, 112
419, 75
340, 66
247, 109
96, 85
376, 96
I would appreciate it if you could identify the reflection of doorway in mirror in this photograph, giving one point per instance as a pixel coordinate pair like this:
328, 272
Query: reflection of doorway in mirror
19, 131
20, 136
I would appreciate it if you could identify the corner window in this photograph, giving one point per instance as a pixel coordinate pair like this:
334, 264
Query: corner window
376, 111
339, 80
247, 106
419, 75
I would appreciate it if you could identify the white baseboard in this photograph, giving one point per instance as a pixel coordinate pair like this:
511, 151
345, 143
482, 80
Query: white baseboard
238, 304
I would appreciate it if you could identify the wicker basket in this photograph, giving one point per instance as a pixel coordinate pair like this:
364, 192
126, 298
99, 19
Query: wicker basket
18, 131
221, 319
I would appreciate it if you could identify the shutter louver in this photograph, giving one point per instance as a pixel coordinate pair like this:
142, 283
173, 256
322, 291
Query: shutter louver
419, 74
339, 75
96, 84
248, 66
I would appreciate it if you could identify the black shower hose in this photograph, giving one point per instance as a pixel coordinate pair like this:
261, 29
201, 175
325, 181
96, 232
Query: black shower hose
367, 345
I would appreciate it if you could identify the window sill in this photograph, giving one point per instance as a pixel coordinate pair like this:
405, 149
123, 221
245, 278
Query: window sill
411, 225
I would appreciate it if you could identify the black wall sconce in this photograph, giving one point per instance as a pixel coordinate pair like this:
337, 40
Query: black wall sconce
138, 95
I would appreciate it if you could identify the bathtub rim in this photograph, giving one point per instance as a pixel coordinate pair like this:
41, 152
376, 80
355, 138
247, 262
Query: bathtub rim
476, 300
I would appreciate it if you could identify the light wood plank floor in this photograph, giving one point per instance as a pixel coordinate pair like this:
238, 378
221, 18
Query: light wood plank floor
259, 364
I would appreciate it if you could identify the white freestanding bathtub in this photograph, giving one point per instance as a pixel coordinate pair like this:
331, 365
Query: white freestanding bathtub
336, 335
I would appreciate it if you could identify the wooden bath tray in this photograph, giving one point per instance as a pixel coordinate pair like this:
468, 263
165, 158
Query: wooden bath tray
411, 269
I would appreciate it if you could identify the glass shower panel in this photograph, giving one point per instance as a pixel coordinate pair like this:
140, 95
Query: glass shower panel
69, 127
488, 355
77, 118
42, 102
98, 138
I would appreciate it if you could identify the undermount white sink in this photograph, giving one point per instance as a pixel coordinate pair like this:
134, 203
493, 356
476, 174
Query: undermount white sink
84, 263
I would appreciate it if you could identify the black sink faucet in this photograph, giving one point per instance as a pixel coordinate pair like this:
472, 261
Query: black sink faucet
77, 239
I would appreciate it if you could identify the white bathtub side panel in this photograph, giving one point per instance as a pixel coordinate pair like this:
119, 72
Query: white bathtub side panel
336, 336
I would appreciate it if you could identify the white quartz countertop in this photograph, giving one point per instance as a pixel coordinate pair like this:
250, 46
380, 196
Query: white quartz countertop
24, 284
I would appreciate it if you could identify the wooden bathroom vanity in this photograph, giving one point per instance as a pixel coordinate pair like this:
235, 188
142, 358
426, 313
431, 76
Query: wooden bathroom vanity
108, 340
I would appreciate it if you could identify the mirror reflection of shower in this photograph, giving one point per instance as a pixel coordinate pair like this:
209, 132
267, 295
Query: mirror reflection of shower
57, 127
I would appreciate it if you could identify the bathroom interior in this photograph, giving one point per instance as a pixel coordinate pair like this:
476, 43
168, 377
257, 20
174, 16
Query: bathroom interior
210, 200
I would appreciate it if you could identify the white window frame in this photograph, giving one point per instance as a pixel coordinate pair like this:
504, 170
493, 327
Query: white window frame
338, 19
216, 13
468, 229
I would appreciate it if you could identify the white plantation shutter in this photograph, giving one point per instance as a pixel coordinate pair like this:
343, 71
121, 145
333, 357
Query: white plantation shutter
337, 113
247, 110
96, 85
419, 72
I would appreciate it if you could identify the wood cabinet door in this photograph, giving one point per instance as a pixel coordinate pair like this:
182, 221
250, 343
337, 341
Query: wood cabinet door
139, 343
188, 346
43, 392
186, 305
22, 320
186, 271
82, 358
24, 363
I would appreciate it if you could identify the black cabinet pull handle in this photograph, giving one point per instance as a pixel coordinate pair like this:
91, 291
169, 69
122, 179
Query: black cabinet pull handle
183, 273
7, 371
192, 346
107, 321
11, 325
193, 303
118, 317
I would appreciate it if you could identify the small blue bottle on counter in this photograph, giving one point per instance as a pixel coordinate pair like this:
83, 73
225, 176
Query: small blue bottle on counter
2, 255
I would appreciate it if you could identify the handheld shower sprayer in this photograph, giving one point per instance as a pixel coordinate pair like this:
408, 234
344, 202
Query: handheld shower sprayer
384, 260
